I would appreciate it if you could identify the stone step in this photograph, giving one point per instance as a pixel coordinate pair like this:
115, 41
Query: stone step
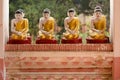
58, 76
79, 70
55, 65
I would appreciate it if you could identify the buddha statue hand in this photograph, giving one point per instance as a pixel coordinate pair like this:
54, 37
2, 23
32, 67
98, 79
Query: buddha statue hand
19, 33
45, 32
71, 32
95, 30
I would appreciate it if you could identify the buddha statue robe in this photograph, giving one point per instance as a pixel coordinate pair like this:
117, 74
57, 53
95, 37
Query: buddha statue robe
101, 26
48, 26
74, 25
21, 26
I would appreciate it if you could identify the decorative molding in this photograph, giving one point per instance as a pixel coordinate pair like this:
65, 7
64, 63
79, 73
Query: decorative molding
61, 65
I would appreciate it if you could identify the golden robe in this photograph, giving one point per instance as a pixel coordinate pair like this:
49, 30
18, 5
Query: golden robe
74, 25
99, 25
48, 26
21, 26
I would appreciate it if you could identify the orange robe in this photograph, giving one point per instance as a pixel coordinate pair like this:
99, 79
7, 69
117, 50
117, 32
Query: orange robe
48, 26
74, 24
99, 25
21, 26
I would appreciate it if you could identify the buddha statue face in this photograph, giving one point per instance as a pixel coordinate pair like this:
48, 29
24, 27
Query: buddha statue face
19, 16
71, 14
46, 15
98, 14
97, 11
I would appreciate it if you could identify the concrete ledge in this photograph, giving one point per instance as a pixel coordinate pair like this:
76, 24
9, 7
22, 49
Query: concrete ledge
59, 47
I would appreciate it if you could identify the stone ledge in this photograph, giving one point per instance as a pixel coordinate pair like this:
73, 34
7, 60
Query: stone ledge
77, 70
59, 47
58, 76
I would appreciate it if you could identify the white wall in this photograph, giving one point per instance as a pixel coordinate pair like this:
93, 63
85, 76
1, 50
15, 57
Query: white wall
1, 30
111, 19
6, 19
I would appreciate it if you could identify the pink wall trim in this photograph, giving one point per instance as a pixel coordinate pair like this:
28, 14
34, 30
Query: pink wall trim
116, 68
1, 69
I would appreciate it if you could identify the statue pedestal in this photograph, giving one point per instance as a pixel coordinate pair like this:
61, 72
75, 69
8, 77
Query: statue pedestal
106, 40
45, 41
14, 41
72, 41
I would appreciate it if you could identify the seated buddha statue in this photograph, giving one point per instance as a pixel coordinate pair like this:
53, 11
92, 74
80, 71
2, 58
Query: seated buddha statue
46, 26
98, 24
19, 26
72, 26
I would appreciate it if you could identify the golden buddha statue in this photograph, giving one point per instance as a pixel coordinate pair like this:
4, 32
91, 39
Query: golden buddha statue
72, 25
19, 26
46, 26
98, 24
